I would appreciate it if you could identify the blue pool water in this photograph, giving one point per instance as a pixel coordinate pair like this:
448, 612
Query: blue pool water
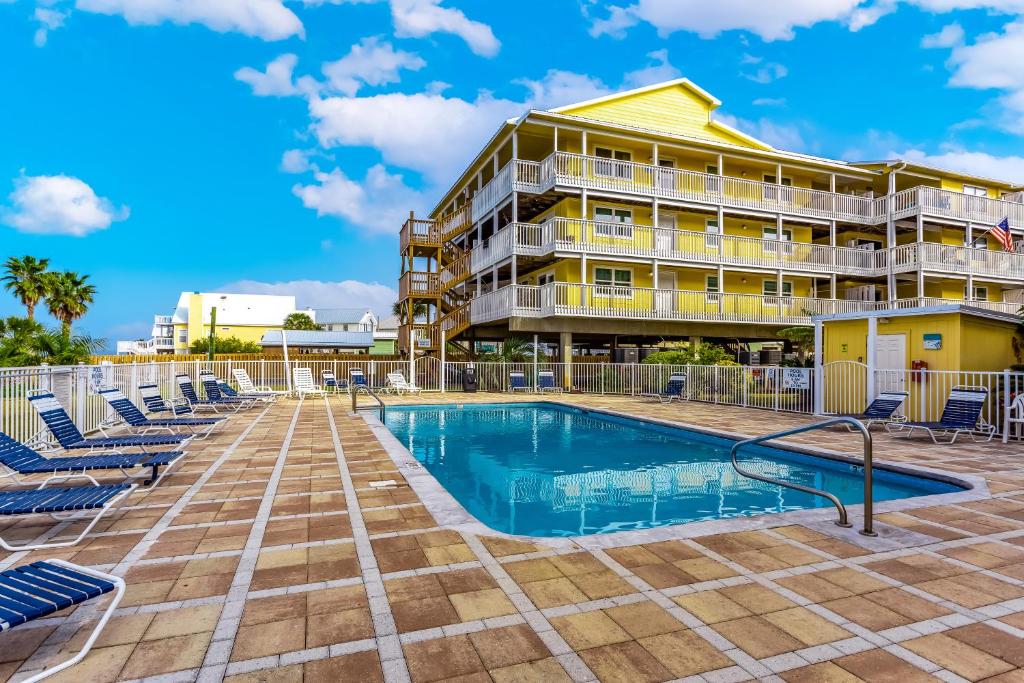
544, 470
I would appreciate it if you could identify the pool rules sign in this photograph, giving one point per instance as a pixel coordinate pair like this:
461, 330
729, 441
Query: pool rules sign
796, 378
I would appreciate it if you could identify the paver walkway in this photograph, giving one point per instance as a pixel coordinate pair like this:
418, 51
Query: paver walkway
269, 557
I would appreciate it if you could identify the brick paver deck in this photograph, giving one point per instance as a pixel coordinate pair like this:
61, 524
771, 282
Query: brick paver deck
269, 557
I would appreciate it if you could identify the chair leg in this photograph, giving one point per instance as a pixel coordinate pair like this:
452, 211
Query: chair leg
113, 503
119, 591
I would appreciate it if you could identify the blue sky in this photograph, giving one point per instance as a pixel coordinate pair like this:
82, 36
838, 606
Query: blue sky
274, 145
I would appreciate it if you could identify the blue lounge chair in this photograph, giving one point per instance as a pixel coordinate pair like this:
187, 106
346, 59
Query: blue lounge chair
211, 385
356, 378
156, 404
229, 391
961, 415
69, 437
21, 460
39, 589
675, 388
188, 391
546, 382
130, 414
329, 382
64, 504
517, 382
880, 411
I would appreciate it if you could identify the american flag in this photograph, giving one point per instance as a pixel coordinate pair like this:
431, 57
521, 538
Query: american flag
1002, 233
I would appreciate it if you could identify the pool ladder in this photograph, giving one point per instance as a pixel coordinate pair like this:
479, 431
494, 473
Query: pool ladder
852, 424
381, 408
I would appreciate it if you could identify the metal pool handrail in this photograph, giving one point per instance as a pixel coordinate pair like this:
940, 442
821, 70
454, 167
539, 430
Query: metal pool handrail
381, 408
850, 422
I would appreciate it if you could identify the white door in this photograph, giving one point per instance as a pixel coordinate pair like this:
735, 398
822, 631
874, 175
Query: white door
667, 178
664, 237
891, 363
665, 297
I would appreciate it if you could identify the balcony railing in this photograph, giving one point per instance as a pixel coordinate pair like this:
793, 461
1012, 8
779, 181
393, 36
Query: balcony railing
958, 260
578, 171
415, 283
922, 302
956, 205
635, 303
668, 244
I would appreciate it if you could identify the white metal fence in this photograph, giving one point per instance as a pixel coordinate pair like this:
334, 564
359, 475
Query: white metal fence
845, 387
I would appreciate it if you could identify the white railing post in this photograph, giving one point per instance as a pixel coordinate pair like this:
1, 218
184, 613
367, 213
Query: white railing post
819, 374
870, 360
444, 360
1007, 402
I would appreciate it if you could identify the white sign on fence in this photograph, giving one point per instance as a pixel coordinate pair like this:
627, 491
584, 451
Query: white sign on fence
99, 376
796, 378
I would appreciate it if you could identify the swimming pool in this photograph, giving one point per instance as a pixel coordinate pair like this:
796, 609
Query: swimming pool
541, 469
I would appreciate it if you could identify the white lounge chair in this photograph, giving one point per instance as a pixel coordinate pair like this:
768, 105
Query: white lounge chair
398, 384
302, 383
246, 387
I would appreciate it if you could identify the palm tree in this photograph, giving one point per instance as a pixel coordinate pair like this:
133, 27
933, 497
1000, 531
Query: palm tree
26, 278
68, 298
400, 311
19, 341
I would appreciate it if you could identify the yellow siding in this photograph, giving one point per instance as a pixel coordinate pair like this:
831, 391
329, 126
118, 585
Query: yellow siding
677, 110
988, 344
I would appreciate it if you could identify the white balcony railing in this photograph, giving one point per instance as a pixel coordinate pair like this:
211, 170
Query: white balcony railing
571, 235
635, 303
921, 302
958, 260
578, 171
956, 205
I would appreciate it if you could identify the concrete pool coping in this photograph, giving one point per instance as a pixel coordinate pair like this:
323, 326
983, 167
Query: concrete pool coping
451, 514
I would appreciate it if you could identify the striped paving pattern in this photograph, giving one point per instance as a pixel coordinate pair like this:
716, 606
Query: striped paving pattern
268, 556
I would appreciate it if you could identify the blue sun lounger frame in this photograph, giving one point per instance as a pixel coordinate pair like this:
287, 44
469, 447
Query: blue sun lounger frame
69, 437
42, 588
130, 415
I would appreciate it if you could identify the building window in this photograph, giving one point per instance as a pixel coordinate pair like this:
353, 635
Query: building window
609, 222
182, 336
711, 233
975, 191
771, 288
545, 279
613, 281
786, 182
613, 163
711, 284
980, 293
770, 232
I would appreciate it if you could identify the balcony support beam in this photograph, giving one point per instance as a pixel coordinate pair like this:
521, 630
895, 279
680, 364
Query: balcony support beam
870, 360
565, 350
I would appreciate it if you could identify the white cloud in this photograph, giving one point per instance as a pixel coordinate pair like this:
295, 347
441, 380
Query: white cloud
769, 101
276, 80
1007, 168
369, 62
951, 35
770, 20
994, 61
659, 70
766, 72
49, 20
323, 294
428, 133
559, 88
266, 19
59, 205
782, 136
296, 161
419, 18
379, 204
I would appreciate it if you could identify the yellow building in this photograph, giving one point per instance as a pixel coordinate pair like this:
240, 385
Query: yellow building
245, 316
639, 217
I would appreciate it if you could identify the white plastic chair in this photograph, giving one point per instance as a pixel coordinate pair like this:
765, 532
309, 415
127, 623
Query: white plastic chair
398, 383
302, 383
246, 386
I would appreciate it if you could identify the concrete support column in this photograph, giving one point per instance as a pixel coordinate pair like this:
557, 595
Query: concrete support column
870, 359
584, 214
565, 350
515, 274
494, 278
583, 143
654, 214
920, 228
554, 145
890, 241
832, 286
654, 273
920, 283
694, 341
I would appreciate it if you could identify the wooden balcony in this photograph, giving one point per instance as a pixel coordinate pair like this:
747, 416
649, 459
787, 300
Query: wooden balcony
418, 284
419, 232
561, 299
426, 336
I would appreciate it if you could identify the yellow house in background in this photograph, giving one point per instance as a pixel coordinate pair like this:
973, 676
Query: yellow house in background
245, 316
638, 217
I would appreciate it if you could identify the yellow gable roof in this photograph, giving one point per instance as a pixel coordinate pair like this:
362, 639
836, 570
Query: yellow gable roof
678, 107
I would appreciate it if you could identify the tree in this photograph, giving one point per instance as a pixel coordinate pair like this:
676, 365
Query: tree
802, 339
512, 350
300, 321
27, 279
226, 345
25, 342
400, 310
700, 354
68, 297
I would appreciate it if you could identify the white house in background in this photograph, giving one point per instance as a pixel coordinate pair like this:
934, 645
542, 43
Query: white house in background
161, 340
385, 331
